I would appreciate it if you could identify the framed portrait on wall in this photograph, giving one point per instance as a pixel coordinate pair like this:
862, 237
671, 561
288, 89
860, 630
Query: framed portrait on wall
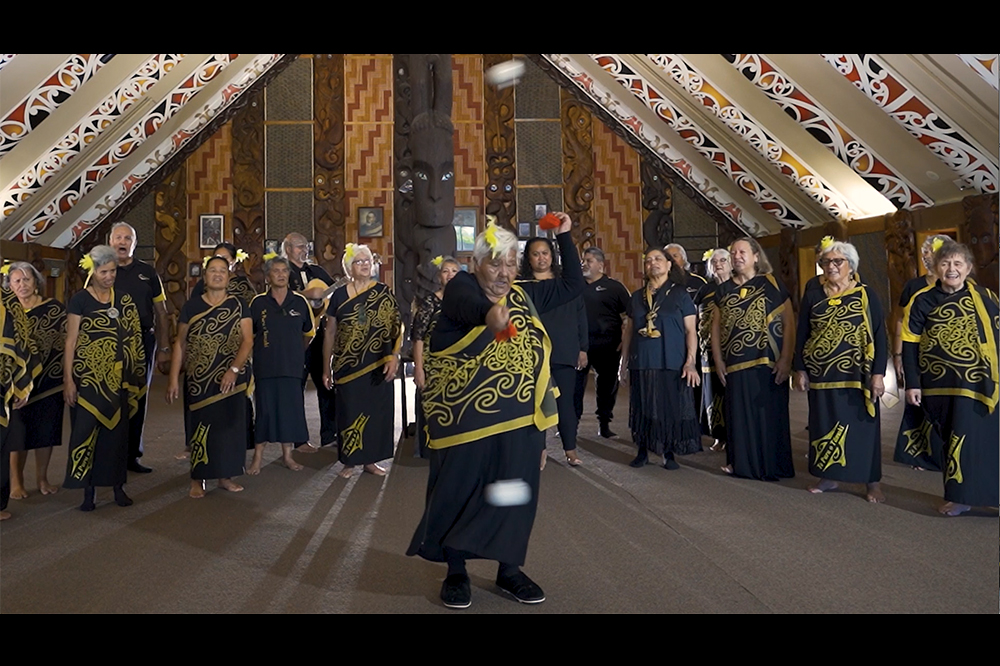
209, 231
272, 245
465, 228
370, 222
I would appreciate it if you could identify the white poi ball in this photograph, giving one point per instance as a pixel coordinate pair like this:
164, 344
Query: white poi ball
505, 74
509, 492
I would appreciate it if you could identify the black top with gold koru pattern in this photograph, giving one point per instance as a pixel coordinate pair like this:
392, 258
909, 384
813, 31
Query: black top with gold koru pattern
20, 363
213, 341
950, 343
750, 322
482, 386
840, 342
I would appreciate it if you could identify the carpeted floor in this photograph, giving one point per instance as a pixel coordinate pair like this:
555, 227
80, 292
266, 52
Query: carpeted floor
608, 539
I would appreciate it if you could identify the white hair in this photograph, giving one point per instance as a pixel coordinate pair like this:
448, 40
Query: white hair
849, 251
684, 254
105, 254
358, 250
506, 241
717, 252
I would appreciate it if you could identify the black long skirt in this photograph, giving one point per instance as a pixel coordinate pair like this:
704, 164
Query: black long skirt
37, 425
845, 443
216, 437
970, 456
97, 456
457, 515
365, 418
713, 395
918, 444
661, 412
280, 409
760, 445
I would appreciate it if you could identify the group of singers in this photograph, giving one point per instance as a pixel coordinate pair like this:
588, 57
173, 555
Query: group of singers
501, 355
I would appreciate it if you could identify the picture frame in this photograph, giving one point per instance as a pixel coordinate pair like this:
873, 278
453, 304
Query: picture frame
465, 221
210, 231
540, 211
272, 245
370, 222
524, 229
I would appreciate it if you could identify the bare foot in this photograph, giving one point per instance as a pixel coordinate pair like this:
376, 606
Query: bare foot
572, 459
719, 445
308, 447
228, 484
346, 472
47, 488
4, 515
823, 486
290, 463
254, 468
372, 468
545, 457
183, 455
953, 508
728, 469
875, 495
197, 489
18, 493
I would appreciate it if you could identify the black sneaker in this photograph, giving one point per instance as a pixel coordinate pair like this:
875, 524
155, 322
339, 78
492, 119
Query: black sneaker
640, 460
456, 591
521, 588
605, 431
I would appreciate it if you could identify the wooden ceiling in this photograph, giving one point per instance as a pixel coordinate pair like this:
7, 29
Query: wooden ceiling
771, 140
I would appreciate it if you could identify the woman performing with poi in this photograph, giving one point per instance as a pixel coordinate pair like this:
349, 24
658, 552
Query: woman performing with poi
752, 344
950, 344
423, 322
38, 424
719, 268
840, 360
488, 400
214, 340
105, 374
659, 348
361, 348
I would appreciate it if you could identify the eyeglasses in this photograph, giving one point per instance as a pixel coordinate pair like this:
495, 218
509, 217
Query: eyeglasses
823, 263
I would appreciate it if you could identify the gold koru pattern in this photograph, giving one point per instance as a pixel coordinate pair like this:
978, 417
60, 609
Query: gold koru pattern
838, 337
199, 445
482, 383
918, 440
82, 457
742, 324
953, 459
94, 364
48, 330
213, 341
830, 449
367, 328
353, 438
950, 343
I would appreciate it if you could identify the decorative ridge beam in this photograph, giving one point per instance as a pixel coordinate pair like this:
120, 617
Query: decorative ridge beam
582, 87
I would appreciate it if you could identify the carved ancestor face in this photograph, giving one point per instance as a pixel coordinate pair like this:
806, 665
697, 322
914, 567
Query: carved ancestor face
982, 236
433, 177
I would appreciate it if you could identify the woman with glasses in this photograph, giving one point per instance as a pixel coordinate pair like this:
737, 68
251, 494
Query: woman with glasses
361, 349
840, 360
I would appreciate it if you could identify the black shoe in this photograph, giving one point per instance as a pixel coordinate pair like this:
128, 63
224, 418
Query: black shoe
88, 499
605, 431
640, 460
456, 591
135, 466
670, 463
521, 588
121, 499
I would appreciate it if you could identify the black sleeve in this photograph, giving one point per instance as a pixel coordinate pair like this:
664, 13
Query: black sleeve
913, 327
802, 330
464, 301
317, 271
687, 306
199, 288
549, 294
624, 298
582, 327
878, 333
76, 304
187, 311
